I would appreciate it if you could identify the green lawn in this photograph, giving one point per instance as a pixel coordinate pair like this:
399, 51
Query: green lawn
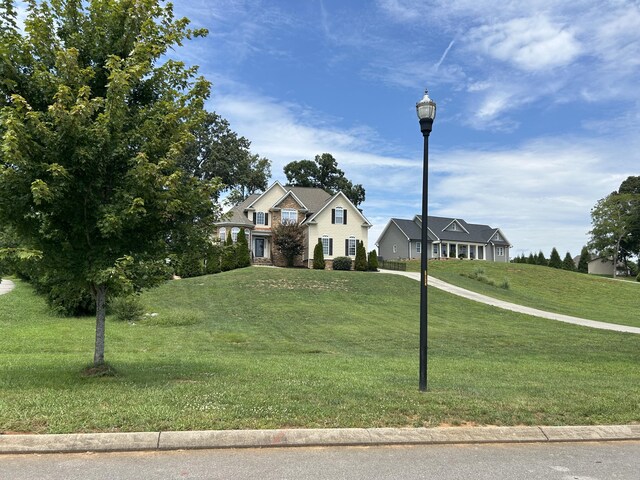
271, 348
550, 289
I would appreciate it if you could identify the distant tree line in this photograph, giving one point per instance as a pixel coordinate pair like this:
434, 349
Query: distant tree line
554, 260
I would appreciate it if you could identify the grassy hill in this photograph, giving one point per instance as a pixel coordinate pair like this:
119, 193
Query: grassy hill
550, 289
270, 348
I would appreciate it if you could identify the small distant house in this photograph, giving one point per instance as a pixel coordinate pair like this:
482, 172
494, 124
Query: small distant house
448, 238
332, 219
599, 265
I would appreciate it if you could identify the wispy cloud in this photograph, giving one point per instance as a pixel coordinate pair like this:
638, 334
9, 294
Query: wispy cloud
530, 44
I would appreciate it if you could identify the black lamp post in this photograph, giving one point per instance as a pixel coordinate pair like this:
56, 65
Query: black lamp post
426, 109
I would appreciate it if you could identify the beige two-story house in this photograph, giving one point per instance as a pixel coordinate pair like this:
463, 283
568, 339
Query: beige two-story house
331, 219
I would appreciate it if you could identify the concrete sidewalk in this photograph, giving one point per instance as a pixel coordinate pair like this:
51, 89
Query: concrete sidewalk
6, 286
146, 441
477, 297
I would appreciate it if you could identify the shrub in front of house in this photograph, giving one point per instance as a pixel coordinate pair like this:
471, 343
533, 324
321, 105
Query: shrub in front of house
318, 256
361, 258
342, 263
213, 258
243, 255
372, 261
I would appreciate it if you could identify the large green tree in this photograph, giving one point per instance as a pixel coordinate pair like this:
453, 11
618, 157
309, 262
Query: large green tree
94, 117
612, 219
631, 244
216, 151
323, 173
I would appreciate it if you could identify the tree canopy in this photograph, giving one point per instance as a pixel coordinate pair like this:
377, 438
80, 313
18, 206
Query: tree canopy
612, 219
94, 119
218, 152
323, 173
631, 243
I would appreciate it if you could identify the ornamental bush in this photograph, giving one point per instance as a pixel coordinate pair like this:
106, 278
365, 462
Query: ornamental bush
242, 250
342, 263
127, 308
361, 258
318, 256
372, 262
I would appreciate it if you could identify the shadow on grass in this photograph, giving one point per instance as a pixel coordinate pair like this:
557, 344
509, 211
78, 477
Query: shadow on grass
70, 374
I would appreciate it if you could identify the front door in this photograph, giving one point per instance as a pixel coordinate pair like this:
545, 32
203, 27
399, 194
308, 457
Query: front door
259, 247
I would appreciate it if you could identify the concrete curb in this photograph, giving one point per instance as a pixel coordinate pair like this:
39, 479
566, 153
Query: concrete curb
215, 439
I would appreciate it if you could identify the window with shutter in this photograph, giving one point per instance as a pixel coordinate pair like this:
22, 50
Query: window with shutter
339, 216
352, 243
326, 244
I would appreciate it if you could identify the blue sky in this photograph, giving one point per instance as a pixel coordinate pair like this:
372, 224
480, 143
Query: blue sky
537, 101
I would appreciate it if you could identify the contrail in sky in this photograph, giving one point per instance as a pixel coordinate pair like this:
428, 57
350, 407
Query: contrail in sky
445, 54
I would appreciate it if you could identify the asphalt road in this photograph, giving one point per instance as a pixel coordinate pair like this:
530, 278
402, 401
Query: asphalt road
559, 461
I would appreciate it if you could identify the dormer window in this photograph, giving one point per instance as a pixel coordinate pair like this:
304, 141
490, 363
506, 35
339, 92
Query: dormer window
498, 237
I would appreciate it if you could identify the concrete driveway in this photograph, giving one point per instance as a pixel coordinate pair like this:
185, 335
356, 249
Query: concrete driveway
477, 297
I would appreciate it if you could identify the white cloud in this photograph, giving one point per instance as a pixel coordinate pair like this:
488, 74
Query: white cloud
531, 44
540, 193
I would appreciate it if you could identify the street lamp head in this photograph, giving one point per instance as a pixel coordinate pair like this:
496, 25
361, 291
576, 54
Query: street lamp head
426, 109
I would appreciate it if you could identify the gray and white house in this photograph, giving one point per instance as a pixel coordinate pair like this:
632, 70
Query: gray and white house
448, 238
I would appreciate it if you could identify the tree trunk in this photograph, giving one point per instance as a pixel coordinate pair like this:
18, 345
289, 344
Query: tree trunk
615, 256
101, 300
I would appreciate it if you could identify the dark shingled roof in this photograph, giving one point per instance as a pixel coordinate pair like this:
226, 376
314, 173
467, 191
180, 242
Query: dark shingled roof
475, 233
312, 198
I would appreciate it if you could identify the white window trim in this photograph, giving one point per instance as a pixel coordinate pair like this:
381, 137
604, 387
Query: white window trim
289, 212
223, 234
234, 234
340, 218
352, 246
325, 244
260, 218
499, 251
419, 247
395, 248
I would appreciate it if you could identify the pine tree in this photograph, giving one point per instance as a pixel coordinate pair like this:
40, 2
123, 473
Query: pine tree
372, 261
361, 258
243, 256
585, 258
554, 260
568, 263
318, 256
228, 261
532, 259
541, 260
